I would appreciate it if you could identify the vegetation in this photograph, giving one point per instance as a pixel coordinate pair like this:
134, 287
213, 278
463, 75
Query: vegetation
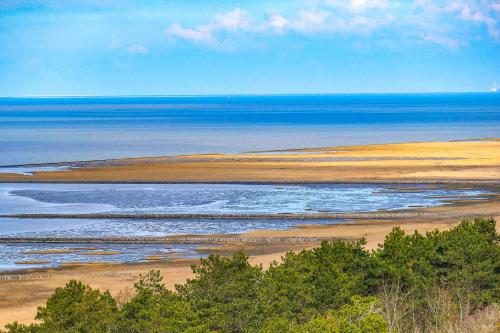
438, 282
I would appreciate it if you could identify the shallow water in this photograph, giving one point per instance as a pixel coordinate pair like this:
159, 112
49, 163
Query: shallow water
30, 170
218, 198
90, 228
41, 130
12, 255
182, 198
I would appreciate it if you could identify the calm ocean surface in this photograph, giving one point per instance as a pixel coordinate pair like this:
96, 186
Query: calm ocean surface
39, 130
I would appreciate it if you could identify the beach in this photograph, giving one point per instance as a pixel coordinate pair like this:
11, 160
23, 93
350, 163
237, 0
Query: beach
474, 164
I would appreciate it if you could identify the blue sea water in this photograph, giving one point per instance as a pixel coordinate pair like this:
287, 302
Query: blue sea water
40, 130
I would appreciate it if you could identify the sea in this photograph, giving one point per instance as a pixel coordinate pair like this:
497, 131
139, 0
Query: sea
59, 129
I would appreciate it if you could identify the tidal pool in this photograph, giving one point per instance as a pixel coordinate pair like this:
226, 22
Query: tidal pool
33, 198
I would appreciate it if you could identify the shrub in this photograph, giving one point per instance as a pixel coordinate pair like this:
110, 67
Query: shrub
438, 282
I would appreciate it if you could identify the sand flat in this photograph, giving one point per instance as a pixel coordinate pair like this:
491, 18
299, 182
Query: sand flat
414, 162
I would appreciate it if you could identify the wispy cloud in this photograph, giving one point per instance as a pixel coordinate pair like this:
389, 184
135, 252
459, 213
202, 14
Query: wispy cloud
477, 15
319, 19
308, 21
444, 41
448, 23
444, 22
233, 21
137, 49
202, 34
475, 12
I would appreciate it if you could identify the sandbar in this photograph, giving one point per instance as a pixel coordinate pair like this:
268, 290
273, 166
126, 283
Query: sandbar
420, 162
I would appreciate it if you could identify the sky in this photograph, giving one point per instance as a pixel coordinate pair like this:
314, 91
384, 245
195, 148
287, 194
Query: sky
153, 47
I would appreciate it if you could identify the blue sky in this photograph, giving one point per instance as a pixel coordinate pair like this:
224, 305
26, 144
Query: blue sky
149, 47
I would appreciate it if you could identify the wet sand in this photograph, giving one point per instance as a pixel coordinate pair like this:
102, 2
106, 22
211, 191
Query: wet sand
425, 162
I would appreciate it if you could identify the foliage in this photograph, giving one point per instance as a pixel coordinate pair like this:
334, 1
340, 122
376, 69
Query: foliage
312, 281
360, 315
156, 309
463, 261
224, 292
74, 308
438, 282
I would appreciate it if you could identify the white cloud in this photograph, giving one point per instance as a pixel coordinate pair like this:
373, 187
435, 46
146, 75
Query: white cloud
364, 5
359, 5
277, 22
137, 49
202, 34
236, 19
309, 22
449, 23
232, 21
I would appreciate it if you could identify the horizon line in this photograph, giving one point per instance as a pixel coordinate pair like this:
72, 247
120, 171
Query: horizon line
250, 94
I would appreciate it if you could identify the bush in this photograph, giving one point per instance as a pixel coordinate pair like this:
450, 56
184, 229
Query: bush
224, 292
438, 282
